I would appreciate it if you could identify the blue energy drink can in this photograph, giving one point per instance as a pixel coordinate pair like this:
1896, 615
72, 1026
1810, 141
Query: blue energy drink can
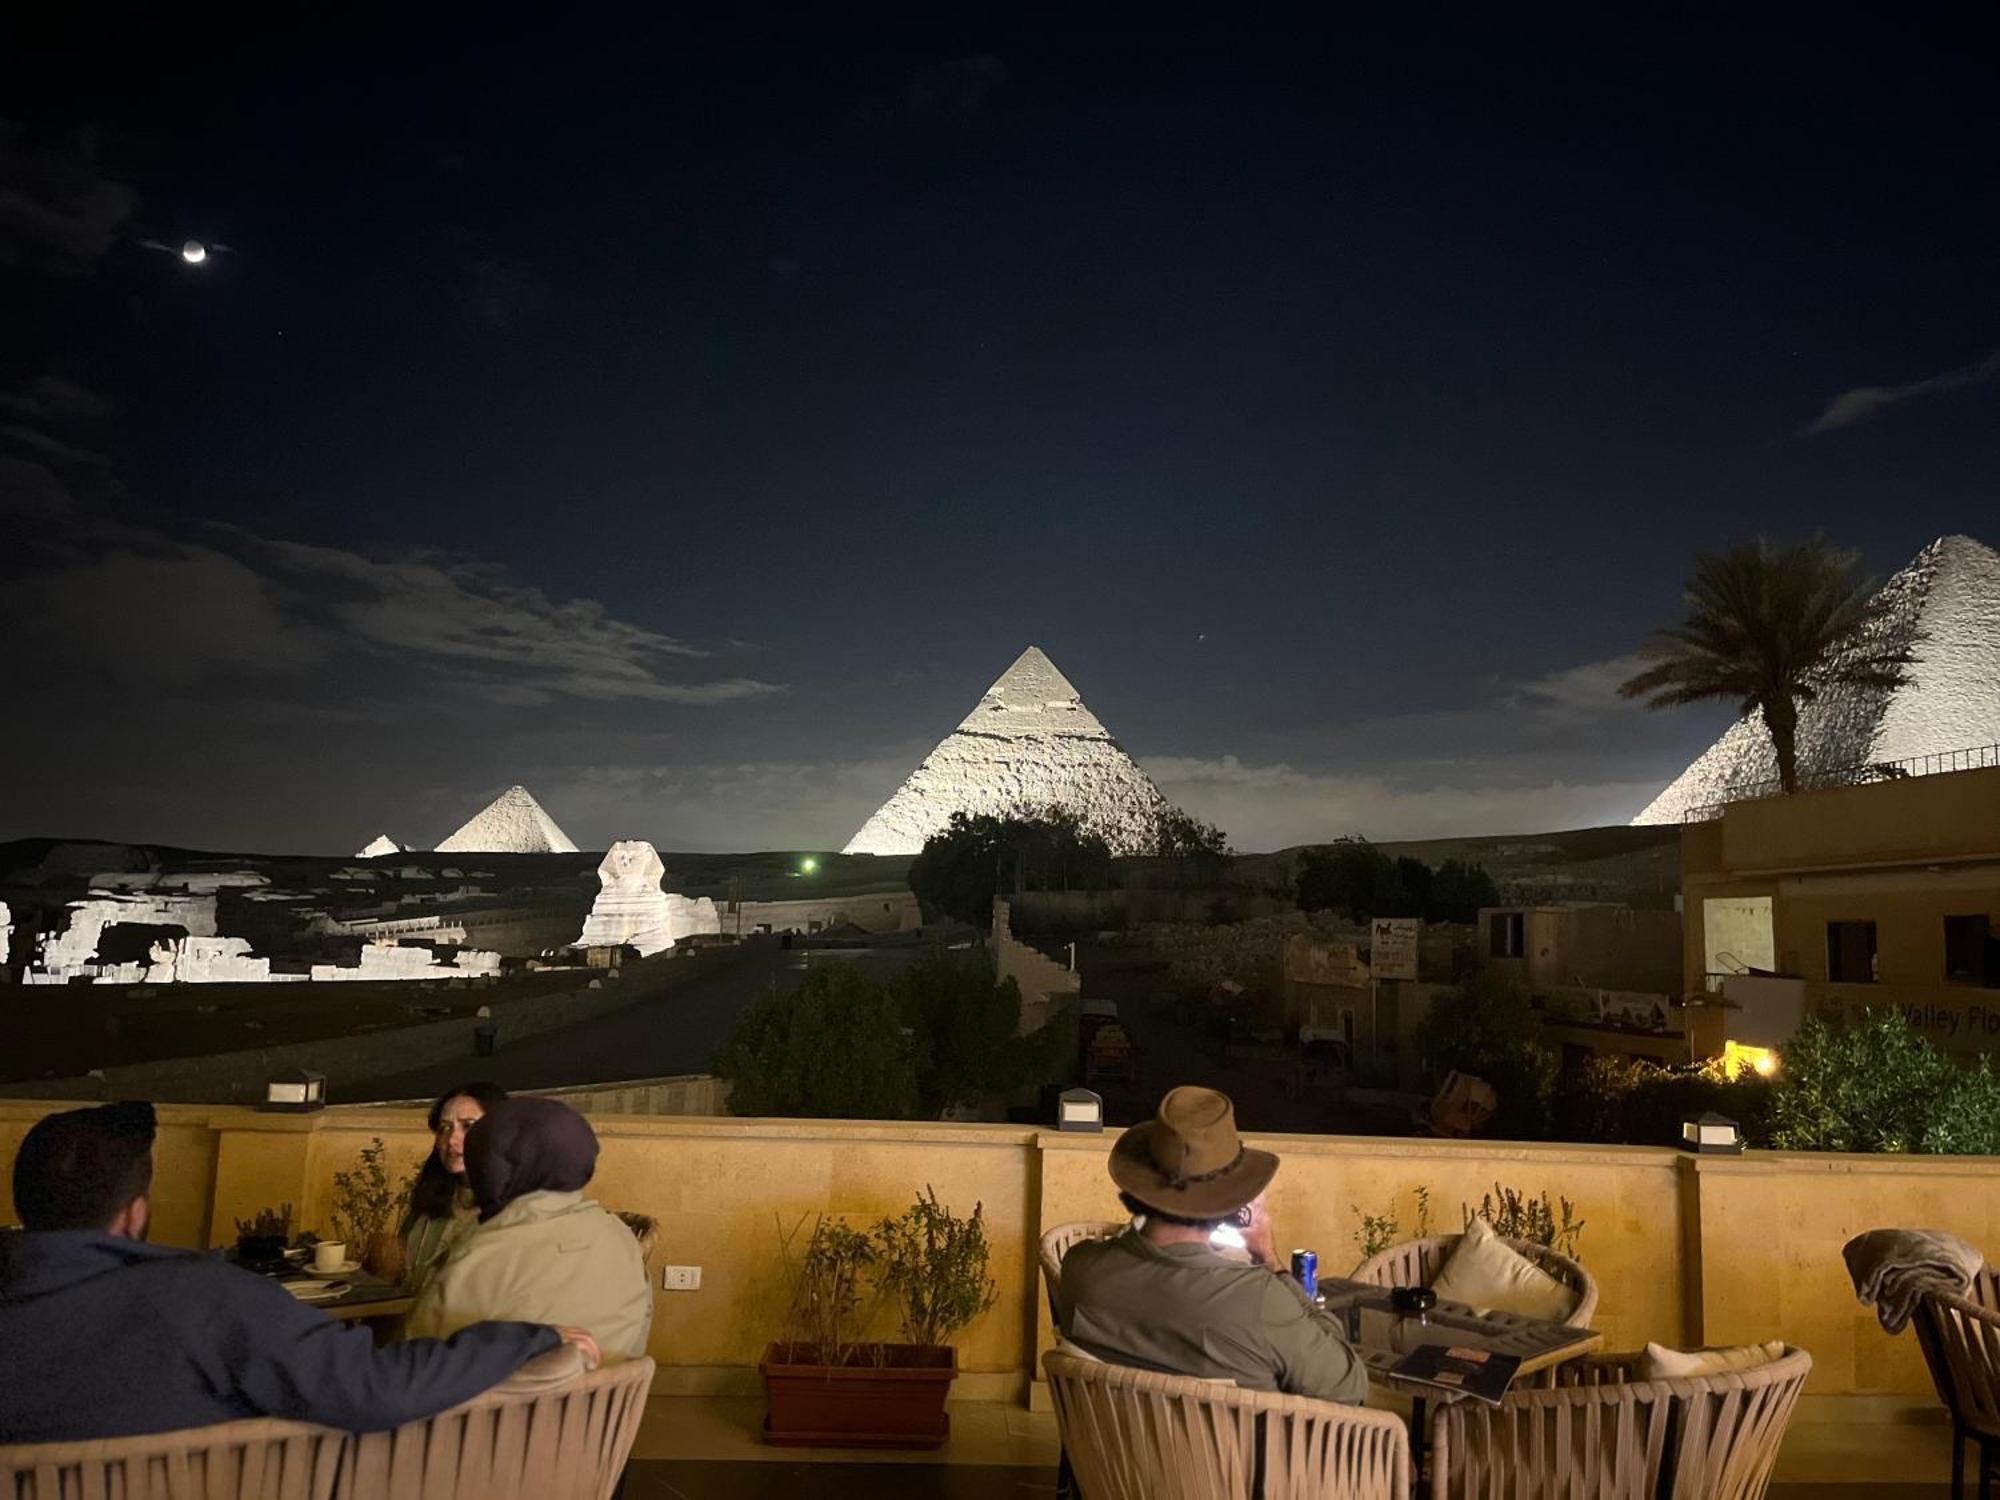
1305, 1270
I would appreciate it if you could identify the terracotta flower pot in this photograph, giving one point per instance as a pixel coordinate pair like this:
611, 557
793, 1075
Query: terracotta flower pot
887, 1396
384, 1255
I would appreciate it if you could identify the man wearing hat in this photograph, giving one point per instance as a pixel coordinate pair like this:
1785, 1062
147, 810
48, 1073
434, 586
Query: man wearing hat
108, 1336
1160, 1296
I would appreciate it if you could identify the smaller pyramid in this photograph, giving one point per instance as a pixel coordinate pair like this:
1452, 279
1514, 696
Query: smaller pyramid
379, 846
512, 823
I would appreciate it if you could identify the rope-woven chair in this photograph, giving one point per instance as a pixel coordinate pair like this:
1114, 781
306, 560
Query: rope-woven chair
1600, 1432
1418, 1262
548, 1433
262, 1458
1064, 1238
1135, 1435
1960, 1337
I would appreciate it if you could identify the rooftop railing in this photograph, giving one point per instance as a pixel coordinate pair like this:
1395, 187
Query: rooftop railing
1974, 758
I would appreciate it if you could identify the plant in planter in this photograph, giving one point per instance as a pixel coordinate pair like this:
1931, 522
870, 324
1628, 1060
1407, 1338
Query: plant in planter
366, 1209
824, 1385
261, 1238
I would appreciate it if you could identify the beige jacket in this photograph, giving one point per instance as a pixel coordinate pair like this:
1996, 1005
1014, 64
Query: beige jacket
553, 1258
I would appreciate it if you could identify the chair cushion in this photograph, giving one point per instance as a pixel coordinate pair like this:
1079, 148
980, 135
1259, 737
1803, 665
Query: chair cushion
1488, 1275
1658, 1362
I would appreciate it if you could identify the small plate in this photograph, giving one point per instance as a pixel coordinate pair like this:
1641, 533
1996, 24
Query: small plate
345, 1268
316, 1291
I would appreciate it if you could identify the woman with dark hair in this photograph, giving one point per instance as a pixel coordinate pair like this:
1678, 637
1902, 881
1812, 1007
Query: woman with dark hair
540, 1244
442, 1209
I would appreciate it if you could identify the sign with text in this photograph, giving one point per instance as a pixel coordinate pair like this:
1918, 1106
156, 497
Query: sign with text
1392, 947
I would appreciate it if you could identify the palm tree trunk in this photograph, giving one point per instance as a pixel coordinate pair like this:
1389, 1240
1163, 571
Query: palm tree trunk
1781, 718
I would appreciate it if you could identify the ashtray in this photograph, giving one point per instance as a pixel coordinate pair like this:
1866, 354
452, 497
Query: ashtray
1414, 1300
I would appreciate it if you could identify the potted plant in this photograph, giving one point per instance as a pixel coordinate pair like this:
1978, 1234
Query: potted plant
826, 1387
366, 1208
261, 1239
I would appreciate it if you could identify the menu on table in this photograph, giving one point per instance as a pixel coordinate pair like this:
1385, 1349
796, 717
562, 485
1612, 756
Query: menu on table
1459, 1369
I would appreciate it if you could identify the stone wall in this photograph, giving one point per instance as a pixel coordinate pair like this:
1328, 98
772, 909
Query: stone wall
1686, 1250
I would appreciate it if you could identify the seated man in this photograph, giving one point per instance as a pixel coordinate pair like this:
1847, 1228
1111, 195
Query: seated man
1160, 1297
107, 1336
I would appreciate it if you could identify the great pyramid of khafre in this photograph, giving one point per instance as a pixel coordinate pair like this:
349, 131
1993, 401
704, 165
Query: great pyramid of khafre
1028, 746
512, 823
1947, 603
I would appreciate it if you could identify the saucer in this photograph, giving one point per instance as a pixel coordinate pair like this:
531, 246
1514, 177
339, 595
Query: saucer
345, 1268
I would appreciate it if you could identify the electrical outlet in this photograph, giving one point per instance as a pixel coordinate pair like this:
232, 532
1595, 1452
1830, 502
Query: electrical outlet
681, 1278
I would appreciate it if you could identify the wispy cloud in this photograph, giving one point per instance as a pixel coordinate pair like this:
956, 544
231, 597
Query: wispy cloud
1276, 806
510, 642
1578, 692
1866, 401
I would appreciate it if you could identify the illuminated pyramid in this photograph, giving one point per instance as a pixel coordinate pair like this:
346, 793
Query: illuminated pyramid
512, 823
1028, 746
1946, 602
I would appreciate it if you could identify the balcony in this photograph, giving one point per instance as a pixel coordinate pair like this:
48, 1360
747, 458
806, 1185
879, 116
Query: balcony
1687, 1250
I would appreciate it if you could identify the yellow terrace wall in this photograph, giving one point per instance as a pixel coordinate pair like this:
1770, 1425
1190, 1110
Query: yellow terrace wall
1685, 1250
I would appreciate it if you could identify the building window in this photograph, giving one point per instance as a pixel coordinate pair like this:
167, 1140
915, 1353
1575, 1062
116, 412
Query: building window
1850, 952
1971, 953
1504, 930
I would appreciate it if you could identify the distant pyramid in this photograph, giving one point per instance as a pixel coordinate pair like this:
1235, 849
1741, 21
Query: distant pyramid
378, 846
513, 823
1950, 596
1029, 745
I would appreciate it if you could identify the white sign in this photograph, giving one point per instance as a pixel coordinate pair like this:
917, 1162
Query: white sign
1393, 945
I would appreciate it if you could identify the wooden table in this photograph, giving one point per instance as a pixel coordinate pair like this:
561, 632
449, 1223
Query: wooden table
1382, 1335
367, 1298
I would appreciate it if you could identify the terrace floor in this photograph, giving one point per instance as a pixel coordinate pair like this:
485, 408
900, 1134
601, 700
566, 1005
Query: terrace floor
707, 1448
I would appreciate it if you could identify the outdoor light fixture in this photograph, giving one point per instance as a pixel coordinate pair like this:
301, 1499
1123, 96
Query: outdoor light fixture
1711, 1135
808, 865
1739, 1057
1079, 1109
295, 1091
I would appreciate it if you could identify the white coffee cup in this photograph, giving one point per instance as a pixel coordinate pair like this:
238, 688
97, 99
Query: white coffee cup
329, 1255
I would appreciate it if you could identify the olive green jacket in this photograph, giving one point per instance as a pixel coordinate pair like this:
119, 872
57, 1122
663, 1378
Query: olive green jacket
1184, 1310
429, 1241
553, 1258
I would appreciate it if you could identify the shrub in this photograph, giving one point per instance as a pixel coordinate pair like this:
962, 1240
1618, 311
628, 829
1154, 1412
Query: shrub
1483, 1028
835, 1049
1875, 1085
934, 1267
1622, 1099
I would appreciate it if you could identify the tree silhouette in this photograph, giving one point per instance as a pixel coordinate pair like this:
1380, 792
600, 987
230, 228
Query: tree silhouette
1772, 626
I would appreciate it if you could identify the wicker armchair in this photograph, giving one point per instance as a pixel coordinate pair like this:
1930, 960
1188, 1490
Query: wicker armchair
1960, 1337
259, 1459
1060, 1240
1418, 1262
550, 1430
1599, 1432
549, 1433
1135, 1435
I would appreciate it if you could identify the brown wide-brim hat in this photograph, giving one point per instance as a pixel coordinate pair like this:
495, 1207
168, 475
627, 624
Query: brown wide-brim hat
1188, 1160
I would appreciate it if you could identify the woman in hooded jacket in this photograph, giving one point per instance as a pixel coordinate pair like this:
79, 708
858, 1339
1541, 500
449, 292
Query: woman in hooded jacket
540, 1245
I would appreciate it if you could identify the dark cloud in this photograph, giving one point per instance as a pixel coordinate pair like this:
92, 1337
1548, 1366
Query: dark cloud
956, 90
58, 211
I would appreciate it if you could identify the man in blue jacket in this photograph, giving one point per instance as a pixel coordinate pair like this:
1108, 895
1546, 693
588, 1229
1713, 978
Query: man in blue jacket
106, 1336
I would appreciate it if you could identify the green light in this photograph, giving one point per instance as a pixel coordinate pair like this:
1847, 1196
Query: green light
808, 865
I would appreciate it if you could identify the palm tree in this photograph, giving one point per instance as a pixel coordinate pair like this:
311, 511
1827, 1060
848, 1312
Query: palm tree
1773, 626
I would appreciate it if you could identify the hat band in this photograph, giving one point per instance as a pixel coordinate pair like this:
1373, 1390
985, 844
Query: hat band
1175, 1184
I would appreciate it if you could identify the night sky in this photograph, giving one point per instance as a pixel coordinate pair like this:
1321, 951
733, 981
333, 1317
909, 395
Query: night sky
689, 423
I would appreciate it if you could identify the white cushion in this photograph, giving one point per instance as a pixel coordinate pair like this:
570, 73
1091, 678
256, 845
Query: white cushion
1489, 1275
1657, 1362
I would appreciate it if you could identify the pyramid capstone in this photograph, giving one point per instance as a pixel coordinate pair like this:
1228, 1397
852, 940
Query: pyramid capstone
1029, 745
512, 823
1945, 607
